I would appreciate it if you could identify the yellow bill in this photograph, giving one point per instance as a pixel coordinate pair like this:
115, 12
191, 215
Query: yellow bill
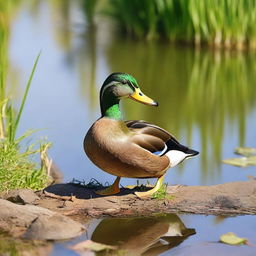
140, 97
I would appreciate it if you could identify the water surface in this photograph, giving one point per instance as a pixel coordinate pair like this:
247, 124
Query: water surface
206, 98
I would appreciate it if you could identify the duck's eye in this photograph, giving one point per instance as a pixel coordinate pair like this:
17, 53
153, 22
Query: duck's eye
124, 82
140, 93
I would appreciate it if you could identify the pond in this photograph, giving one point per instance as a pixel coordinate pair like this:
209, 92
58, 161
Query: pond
206, 99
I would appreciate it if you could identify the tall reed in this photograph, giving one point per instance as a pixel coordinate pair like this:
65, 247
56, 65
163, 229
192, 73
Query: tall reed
225, 23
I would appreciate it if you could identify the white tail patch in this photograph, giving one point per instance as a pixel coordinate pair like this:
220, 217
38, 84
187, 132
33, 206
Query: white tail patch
175, 229
176, 157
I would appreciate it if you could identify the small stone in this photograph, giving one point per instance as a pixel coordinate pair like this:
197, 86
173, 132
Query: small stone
22, 196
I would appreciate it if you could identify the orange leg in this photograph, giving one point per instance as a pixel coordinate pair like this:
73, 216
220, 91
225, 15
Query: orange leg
150, 192
111, 190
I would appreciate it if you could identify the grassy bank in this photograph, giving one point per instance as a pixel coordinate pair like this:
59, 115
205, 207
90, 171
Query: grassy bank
224, 23
16, 168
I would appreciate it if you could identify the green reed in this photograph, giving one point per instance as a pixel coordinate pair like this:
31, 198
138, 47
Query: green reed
16, 168
215, 22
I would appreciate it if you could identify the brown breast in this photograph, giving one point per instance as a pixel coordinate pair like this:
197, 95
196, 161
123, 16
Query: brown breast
112, 147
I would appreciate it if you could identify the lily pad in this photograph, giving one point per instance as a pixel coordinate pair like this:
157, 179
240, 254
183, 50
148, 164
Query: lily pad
251, 160
242, 161
232, 239
245, 151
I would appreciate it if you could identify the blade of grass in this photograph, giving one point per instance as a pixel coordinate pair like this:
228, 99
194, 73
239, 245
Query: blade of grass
17, 120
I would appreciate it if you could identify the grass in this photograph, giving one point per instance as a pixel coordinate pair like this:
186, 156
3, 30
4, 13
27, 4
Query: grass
162, 193
17, 170
8, 120
226, 23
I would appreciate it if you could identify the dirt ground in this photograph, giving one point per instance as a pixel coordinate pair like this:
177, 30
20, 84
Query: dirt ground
234, 198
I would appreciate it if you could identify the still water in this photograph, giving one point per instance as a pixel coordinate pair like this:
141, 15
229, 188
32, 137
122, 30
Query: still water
207, 99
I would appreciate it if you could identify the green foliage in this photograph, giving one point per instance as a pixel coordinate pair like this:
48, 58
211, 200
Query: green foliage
8, 120
14, 123
162, 193
17, 170
219, 22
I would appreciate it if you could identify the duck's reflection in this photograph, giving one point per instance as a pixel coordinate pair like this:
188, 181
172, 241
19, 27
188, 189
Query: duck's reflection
143, 235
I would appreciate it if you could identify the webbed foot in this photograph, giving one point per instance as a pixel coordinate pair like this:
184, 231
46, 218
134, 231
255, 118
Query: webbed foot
153, 190
111, 190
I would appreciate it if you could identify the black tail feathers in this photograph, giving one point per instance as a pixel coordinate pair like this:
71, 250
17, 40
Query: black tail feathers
173, 144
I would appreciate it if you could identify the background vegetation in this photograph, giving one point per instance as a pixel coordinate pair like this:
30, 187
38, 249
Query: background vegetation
225, 23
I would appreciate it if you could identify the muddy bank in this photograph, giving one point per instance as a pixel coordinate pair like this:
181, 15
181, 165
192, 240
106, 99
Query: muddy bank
56, 212
234, 198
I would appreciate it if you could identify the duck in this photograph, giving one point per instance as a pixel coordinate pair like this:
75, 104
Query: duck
147, 235
134, 148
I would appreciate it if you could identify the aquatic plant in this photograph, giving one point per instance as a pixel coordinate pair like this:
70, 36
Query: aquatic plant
221, 23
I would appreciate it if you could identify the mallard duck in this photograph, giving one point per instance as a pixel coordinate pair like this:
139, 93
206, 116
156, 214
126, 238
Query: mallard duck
132, 149
142, 235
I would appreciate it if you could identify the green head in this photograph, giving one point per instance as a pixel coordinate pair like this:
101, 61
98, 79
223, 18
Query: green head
116, 87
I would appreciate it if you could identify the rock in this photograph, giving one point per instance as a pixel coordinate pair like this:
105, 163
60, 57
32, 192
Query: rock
55, 227
22, 196
35, 222
20, 215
